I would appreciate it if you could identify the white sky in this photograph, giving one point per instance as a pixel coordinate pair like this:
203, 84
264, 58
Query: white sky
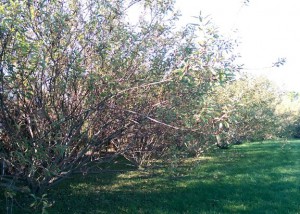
266, 29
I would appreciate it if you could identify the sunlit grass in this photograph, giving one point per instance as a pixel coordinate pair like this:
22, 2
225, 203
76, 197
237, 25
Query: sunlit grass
249, 178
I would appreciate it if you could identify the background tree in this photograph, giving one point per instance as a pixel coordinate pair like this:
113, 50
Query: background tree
288, 111
247, 110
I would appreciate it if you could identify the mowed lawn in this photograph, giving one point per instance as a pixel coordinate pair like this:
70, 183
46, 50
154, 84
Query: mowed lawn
248, 178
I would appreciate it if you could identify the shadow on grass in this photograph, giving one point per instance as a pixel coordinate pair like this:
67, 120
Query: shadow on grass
214, 195
252, 178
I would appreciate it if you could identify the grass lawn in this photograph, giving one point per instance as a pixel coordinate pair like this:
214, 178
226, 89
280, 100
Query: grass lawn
249, 178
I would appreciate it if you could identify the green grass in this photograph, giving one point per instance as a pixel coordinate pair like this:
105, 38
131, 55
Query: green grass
249, 178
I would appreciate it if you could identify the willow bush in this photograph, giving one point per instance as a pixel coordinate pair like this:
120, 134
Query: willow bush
77, 77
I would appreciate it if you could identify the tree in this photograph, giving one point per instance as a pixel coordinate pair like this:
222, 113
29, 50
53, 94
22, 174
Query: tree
246, 109
288, 111
76, 77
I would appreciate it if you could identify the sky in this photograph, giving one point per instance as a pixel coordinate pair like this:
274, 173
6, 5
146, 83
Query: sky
266, 30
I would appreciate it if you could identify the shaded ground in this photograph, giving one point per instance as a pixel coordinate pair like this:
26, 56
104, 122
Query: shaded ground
249, 178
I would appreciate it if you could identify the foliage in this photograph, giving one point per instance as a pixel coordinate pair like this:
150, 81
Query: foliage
41, 202
82, 84
246, 109
251, 109
288, 112
77, 81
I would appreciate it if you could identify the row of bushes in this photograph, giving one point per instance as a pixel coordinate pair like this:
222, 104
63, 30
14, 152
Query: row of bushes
81, 84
